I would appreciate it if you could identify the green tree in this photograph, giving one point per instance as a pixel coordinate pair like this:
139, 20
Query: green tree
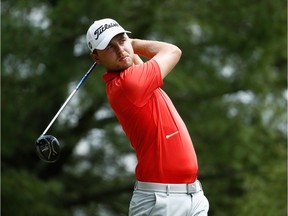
230, 87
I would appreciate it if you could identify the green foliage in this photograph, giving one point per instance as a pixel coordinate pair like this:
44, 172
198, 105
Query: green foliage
23, 194
230, 87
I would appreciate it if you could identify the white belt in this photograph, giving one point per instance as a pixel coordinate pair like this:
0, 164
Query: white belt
169, 188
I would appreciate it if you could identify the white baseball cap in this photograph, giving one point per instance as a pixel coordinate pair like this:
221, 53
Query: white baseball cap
101, 32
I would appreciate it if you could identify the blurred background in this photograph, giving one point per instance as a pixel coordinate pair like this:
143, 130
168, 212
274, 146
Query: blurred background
230, 87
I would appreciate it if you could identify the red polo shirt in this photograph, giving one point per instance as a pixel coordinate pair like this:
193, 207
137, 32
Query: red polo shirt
164, 149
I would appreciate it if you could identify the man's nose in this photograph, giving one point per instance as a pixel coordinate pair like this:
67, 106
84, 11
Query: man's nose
119, 48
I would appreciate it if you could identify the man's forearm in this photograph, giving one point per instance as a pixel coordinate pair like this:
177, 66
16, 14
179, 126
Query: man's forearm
149, 48
167, 55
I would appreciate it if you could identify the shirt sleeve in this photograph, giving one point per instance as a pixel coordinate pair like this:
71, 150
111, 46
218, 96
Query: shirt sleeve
140, 81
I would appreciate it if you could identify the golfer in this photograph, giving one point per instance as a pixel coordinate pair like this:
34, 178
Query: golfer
167, 167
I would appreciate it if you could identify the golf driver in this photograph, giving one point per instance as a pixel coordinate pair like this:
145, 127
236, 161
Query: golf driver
47, 146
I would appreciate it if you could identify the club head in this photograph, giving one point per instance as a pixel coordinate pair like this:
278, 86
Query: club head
48, 148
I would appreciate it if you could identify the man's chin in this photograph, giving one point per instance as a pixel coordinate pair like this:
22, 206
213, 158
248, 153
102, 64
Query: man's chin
126, 64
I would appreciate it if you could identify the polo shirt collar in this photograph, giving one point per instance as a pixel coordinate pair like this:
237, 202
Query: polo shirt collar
109, 76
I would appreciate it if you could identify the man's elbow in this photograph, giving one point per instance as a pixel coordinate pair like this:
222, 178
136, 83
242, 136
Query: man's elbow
177, 52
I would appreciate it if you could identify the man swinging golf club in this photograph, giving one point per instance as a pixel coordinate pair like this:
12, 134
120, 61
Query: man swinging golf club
167, 166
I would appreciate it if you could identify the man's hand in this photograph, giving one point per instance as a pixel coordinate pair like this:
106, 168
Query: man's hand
137, 60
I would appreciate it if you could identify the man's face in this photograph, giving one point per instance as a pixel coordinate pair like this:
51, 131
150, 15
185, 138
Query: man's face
117, 56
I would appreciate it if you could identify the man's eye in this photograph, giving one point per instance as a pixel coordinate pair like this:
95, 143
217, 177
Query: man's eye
122, 41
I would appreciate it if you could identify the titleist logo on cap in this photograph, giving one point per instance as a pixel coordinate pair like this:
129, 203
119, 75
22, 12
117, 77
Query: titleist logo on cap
103, 28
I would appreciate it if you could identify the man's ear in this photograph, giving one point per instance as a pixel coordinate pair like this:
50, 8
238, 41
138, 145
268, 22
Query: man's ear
95, 58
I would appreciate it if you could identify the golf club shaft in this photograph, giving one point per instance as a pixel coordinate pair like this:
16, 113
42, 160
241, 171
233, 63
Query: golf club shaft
69, 98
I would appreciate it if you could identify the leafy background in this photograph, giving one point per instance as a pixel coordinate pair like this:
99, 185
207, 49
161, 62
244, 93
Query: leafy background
230, 87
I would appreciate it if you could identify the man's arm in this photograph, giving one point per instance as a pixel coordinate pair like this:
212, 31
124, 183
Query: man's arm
137, 60
167, 55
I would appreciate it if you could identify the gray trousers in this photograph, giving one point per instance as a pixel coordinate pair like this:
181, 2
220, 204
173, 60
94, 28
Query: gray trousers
146, 203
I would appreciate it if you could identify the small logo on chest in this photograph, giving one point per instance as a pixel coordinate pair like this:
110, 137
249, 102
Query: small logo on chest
172, 134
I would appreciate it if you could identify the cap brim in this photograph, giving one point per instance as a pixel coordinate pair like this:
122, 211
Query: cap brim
104, 43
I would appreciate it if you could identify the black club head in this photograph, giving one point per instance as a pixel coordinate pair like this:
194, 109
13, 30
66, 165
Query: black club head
48, 148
